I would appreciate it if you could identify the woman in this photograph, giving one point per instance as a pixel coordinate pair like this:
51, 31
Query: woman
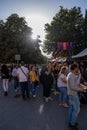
32, 76
62, 85
5, 78
47, 81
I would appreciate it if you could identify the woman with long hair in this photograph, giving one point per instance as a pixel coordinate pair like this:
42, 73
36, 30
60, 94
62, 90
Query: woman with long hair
62, 85
32, 76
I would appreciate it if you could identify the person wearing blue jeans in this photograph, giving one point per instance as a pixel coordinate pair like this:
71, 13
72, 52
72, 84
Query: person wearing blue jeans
14, 74
73, 89
24, 89
32, 76
16, 83
22, 74
74, 109
62, 85
33, 89
63, 95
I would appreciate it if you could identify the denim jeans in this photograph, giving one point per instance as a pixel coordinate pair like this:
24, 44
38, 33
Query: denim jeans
29, 85
63, 94
16, 83
33, 88
24, 89
74, 109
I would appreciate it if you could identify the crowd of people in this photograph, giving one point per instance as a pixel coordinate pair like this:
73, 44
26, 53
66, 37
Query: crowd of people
63, 79
25, 77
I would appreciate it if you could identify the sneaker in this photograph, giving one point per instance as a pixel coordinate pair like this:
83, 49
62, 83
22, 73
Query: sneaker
57, 92
46, 99
73, 126
65, 105
54, 92
49, 98
34, 96
6, 93
60, 104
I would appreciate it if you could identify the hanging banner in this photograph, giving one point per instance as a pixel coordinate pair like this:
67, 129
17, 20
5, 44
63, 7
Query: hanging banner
64, 45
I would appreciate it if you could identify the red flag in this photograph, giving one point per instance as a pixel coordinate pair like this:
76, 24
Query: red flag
64, 46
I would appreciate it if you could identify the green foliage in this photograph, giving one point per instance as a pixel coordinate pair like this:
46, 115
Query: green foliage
67, 25
85, 27
15, 38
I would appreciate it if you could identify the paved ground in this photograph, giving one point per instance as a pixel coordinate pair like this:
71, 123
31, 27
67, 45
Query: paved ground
35, 114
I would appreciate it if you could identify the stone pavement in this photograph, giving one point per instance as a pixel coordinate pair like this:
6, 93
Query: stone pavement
35, 114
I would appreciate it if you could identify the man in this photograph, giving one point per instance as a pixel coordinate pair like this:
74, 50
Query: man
73, 89
14, 74
22, 74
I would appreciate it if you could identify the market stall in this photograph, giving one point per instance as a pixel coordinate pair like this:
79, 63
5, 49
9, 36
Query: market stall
81, 54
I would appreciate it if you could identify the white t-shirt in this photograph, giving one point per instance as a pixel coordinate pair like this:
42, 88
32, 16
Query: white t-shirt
60, 83
22, 77
14, 72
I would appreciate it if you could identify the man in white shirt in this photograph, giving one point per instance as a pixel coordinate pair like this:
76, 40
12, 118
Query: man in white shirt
14, 74
22, 74
73, 89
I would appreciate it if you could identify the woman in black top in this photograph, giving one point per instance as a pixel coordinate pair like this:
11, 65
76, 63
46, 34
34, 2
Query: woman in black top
5, 78
47, 81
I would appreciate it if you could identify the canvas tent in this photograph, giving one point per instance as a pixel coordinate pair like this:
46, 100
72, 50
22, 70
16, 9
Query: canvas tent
81, 54
61, 59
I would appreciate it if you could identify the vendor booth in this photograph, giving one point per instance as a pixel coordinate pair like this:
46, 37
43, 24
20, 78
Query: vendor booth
81, 54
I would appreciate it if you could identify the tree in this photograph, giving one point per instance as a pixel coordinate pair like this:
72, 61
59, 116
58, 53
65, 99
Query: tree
78, 47
85, 28
65, 26
16, 39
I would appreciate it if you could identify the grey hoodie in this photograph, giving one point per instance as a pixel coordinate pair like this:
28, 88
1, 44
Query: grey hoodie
72, 86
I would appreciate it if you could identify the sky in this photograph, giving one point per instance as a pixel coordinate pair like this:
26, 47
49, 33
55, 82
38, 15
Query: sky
37, 12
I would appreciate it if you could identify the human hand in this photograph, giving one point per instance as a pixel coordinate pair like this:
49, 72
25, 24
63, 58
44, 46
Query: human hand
83, 88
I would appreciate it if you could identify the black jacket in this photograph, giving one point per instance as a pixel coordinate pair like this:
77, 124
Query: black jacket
4, 72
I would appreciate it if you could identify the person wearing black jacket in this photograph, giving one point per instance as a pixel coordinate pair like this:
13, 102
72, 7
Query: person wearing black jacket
47, 81
5, 78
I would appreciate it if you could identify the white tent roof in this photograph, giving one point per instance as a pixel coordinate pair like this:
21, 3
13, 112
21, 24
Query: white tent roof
61, 59
81, 54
